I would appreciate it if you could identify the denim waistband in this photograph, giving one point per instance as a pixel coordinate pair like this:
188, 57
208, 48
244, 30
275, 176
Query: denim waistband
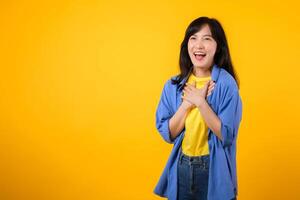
194, 159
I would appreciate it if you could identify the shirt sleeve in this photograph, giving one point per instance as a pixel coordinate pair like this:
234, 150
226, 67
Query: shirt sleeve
163, 115
230, 114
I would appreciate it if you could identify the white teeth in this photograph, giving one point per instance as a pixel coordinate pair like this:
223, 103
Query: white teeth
199, 53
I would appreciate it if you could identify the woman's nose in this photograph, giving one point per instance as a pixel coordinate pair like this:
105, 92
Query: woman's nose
199, 44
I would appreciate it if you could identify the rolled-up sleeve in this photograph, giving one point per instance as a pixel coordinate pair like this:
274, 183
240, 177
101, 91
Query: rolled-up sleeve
163, 115
230, 114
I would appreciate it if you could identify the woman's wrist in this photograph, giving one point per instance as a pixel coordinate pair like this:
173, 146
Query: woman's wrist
183, 107
201, 101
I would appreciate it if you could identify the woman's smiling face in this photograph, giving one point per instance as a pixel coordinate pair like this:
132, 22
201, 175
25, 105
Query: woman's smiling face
202, 48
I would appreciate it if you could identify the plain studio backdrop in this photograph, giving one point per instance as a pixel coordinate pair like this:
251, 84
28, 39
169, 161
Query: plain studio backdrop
80, 82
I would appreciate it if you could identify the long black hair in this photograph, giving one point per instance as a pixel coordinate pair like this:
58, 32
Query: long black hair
222, 56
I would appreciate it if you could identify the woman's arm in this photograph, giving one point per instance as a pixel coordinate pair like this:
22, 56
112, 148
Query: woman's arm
210, 117
197, 97
177, 122
225, 124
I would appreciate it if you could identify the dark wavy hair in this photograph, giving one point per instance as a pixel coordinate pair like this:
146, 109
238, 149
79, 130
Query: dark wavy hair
222, 56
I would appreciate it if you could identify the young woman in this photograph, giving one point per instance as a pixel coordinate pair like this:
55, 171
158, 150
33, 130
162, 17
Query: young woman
199, 112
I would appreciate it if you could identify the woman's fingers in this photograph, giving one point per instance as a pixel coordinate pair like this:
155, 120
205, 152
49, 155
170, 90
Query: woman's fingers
210, 88
187, 89
212, 83
189, 86
204, 90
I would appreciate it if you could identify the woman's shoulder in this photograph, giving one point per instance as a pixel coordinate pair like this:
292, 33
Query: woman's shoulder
171, 81
227, 81
170, 87
174, 78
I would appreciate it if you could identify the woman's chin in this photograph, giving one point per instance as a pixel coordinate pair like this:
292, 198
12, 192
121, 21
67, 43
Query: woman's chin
201, 66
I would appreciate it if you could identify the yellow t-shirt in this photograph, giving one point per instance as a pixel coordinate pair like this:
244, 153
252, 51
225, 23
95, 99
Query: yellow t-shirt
195, 141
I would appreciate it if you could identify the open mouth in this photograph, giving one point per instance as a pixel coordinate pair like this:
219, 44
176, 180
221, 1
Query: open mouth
199, 55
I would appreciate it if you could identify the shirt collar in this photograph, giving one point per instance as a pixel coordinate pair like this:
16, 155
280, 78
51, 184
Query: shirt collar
214, 76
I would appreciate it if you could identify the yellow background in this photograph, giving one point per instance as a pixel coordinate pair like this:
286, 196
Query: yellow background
80, 82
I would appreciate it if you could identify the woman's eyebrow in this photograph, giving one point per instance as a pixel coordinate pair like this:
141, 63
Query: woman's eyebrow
203, 35
207, 35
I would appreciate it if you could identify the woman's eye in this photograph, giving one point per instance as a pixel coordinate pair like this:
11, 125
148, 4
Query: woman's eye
193, 38
206, 38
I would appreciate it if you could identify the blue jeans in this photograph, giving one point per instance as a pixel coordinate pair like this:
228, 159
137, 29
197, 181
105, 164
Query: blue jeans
193, 177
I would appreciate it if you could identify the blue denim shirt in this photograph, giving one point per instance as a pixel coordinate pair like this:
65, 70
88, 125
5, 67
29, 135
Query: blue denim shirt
225, 101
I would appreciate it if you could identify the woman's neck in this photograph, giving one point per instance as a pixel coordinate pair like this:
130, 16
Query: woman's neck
200, 72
